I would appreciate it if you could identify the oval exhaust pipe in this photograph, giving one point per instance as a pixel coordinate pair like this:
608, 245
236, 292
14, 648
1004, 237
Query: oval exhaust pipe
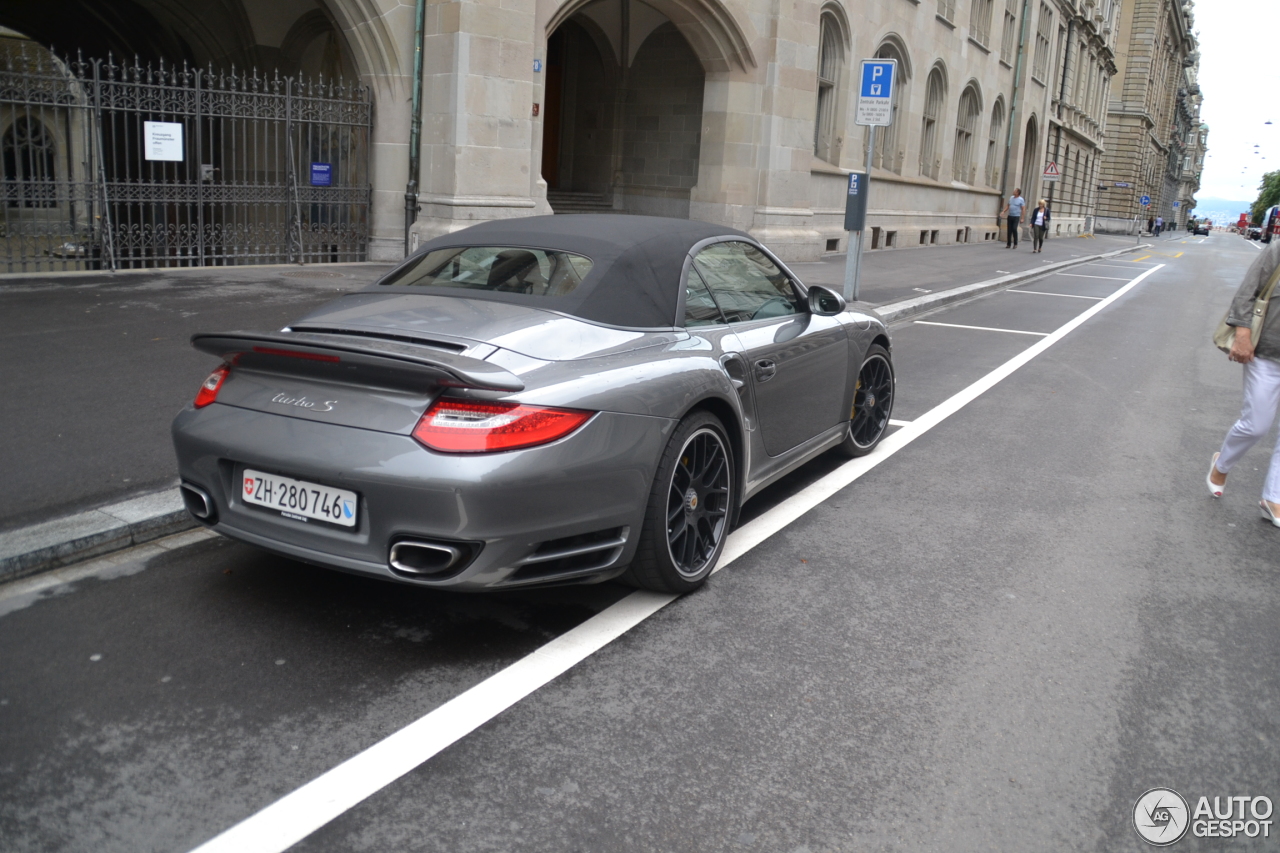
424, 559
198, 502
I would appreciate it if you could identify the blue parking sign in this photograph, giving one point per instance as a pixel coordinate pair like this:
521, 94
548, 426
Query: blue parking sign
877, 79
875, 93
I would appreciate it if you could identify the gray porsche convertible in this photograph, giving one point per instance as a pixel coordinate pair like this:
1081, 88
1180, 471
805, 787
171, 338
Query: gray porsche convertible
556, 399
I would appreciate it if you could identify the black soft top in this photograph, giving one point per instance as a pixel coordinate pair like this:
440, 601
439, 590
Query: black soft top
636, 263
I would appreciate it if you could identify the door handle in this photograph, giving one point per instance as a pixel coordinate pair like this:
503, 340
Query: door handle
765, 369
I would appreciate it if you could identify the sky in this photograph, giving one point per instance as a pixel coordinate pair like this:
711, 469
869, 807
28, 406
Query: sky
1240, 79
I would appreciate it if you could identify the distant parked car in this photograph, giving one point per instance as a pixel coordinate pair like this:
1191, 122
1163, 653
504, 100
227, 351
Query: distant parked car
1202, 228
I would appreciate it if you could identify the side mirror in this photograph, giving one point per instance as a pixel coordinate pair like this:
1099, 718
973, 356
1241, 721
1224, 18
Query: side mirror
825, 302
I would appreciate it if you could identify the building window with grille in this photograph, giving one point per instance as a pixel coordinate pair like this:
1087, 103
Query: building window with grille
947, 9
930, 163
970, 113
28, 154
1040, 68
980, 21
830, 68
993, 145
1009, 41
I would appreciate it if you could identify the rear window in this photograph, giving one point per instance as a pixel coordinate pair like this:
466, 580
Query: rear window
497, 269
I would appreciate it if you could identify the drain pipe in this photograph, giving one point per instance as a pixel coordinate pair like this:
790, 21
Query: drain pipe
1013, 107
1062, 96
415, 128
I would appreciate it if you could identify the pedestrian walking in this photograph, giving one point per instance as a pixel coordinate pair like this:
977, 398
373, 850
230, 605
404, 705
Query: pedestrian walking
1260, 355
1013, 209
1039, 225
1159, 225
1151, 225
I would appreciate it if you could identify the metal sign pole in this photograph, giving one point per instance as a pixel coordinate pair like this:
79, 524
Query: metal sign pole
875, 108
852, 257
857, 270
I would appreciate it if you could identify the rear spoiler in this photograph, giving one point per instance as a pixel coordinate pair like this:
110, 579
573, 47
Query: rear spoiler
447, 368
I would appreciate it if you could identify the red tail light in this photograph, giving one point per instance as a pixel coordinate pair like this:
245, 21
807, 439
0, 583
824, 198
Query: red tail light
209, 390
466, 426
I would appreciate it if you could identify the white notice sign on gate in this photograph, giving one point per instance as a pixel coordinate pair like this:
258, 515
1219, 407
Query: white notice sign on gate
162, 140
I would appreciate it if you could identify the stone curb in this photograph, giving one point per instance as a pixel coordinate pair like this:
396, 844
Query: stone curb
56, 543
893, 311
61, 541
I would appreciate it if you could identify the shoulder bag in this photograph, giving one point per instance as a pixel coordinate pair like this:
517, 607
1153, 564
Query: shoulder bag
1224, 336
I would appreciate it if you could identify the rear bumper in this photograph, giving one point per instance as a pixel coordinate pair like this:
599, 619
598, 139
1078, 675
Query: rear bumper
567, 511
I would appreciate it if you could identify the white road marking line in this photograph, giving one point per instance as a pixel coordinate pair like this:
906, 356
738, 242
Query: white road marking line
898, 423
1110, 266
292, 818
1078, 275
980, 328
1256, 245
1046, 293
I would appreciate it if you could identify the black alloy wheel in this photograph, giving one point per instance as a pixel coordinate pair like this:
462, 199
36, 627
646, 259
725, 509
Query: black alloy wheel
872, 403
690, 505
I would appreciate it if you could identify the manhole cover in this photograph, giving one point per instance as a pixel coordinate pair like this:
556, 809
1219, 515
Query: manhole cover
313, 274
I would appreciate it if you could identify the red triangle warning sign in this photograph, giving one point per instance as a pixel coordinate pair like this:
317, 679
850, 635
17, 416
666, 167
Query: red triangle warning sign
1051, 171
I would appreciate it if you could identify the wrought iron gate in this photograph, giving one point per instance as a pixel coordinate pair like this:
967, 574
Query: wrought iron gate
110, 166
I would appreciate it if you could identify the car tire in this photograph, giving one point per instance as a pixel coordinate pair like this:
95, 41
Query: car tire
690, 508
872, 403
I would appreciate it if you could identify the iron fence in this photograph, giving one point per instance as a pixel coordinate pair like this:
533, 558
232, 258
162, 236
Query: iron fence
109, 166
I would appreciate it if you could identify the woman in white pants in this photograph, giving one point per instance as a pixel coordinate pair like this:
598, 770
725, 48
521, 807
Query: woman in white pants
1261, 360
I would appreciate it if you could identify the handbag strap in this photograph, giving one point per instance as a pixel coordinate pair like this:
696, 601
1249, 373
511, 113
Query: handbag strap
1264, 296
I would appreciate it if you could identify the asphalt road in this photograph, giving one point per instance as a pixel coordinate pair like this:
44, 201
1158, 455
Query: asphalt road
101, 363
996, 639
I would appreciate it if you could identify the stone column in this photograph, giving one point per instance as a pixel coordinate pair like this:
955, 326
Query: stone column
757, 136
728, 175
789, 98
477, 127
380, 35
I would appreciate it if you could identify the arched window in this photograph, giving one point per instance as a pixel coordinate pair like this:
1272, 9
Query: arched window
830, 66
888, 151
930, 162
28, 154
967, 119
993, 144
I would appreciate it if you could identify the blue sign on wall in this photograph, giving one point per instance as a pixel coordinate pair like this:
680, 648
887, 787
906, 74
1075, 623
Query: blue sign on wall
321, 175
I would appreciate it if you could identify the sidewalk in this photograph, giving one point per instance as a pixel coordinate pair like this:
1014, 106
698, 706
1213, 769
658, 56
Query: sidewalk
107, 365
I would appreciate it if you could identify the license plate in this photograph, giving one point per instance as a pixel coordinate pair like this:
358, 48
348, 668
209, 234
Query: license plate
298, 499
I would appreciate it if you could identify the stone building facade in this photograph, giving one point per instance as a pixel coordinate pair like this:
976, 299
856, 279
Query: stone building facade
733, 111
1153, 111
1193, 165
1087, 33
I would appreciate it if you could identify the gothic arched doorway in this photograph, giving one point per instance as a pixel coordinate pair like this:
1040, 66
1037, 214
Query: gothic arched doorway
623, 122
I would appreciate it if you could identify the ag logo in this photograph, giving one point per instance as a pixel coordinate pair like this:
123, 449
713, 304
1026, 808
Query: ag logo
1161, 816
